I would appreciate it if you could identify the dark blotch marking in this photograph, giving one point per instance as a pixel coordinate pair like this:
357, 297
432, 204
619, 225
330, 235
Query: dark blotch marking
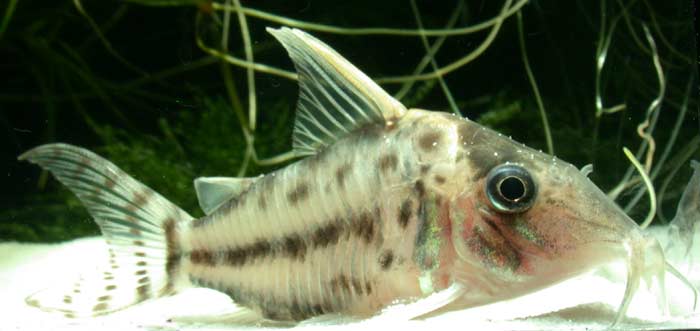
135, 232
295, 247
298, 194
388, 163
144, 280
100, 306
325, 235
424, 169
139, 243
440, 179
141, 263
340, 283
110, 287
405, 212
202, 256
483, 159
172, 261
465, 133
142, 292
386, 259
67, 299
341, 175
104, 298
357, 286
363, 227
141, 273
368, 288
427, 140
420, 188
140, 254
239, 256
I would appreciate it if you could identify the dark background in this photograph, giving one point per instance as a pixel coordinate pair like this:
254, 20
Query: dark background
160, 109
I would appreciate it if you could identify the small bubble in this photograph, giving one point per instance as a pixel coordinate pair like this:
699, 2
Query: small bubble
434, 143
495, 153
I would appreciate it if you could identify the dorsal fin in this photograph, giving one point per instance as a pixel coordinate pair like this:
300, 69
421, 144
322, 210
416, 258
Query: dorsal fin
335, 97
212, 192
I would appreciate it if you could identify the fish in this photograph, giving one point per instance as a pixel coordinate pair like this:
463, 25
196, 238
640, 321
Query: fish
385, 205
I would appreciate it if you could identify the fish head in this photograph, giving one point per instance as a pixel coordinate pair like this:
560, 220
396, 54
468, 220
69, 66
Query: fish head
523, 220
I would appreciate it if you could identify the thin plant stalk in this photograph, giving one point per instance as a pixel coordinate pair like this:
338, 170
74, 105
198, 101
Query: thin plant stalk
649, 186
433, 62
535, 89
374, 31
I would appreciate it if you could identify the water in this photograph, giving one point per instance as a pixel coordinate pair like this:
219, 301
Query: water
144, 94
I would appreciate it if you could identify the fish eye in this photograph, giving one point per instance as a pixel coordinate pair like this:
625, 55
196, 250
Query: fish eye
510, 188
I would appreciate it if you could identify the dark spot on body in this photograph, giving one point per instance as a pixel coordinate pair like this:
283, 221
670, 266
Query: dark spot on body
419, 187
299, 193
140, 273
295, 247
144, 280
141, 198
388, 163
110, 287
140, 254
143, 292
173, 254
340, 283
363, 227
368, 288
465, 133
67, 299
100, 307
326, 235
341, 175
139, 243
440, 179
141, 263
405, 212
135, 231
357, 286
386, 259
104, 298
428, 140
235, 257
203, 257
424, 169
483, 159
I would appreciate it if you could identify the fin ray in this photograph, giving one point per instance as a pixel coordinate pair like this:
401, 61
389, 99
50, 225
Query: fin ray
134, 220
335, 97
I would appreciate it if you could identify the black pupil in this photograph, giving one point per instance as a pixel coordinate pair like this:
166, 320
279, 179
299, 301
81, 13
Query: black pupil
512, 188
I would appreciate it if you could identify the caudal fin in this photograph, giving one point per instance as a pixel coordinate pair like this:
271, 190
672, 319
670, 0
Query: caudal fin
140, 226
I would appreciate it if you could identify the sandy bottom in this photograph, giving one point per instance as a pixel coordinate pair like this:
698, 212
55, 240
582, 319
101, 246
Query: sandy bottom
585, 303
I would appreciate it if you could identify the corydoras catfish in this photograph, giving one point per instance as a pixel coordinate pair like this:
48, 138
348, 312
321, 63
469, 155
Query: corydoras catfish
387, 205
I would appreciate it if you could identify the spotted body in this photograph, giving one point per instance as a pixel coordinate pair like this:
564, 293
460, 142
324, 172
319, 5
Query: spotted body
389, 205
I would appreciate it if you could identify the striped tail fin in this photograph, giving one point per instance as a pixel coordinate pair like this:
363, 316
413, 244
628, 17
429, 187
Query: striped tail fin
141, 228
